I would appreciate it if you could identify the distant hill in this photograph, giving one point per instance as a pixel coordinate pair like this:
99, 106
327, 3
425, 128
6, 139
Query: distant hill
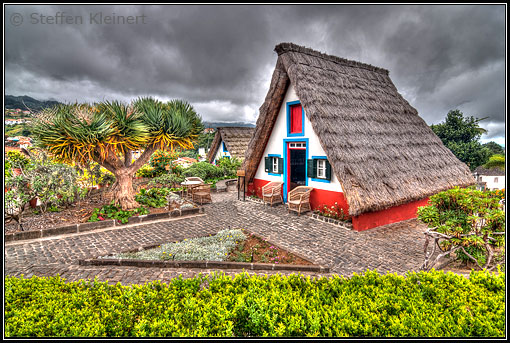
216, 124
25, 102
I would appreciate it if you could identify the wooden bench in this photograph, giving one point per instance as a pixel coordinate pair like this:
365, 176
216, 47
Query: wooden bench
222, 185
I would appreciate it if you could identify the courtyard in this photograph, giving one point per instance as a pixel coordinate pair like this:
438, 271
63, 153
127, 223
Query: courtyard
396, 248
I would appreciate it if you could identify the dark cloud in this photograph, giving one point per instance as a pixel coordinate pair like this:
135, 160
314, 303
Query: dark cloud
221, 58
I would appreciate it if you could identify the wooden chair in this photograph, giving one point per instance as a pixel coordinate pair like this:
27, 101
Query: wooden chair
272, 193
299, 199
202, 194
189, 189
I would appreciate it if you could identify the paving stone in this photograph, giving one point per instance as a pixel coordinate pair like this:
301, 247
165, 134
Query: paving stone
394, 248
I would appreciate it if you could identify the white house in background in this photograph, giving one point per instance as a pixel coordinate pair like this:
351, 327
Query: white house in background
489, 179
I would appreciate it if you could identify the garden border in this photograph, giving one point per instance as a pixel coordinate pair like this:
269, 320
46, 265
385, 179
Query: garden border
339, 223
89, 226
96, 261
201, 265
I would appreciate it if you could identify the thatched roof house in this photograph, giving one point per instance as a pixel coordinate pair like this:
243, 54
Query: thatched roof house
380, 151
230, 141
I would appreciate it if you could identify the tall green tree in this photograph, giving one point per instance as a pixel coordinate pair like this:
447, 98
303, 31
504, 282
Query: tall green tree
109, 132
495, 148
461, 135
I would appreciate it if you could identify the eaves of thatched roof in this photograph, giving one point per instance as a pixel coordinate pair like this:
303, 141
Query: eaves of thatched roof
236, 140
381, 151
489, 171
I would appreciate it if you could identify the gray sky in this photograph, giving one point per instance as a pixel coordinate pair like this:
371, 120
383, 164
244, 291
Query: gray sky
221, 58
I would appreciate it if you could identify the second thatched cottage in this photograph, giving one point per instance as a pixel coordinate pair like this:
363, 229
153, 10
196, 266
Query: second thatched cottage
341, 127
229, 142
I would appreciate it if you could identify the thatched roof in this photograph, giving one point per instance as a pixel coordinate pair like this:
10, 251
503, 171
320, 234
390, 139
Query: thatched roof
381, 151
489, 172
236, 140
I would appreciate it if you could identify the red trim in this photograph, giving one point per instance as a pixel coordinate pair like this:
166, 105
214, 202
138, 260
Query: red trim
365, 221
318, 197
296, 119
321, 197
391, 215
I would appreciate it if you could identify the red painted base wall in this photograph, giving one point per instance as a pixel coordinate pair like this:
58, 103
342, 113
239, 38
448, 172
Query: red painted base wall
318, 197
365, 221
391, 215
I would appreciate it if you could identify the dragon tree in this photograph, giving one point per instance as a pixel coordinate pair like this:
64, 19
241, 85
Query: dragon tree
109, 132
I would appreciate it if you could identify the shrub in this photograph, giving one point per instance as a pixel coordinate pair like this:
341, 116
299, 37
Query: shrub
203, 170
55, 184
17, 159
229, 166
167, 180
154, 197
467, 221
424, 304
113, 212
145, 171
160, 160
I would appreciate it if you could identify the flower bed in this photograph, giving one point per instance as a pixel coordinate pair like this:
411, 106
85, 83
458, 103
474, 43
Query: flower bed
228, 249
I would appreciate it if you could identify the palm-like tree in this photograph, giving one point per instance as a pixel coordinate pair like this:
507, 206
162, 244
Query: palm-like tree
109, 132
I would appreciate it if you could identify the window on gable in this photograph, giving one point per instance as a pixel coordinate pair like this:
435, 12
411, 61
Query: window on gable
274, 165
274, 162
319, 168
296, 119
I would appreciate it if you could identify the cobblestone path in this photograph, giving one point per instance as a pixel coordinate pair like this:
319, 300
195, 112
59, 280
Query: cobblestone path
395, 248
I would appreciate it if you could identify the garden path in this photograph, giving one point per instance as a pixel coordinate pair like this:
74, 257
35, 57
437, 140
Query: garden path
394, 248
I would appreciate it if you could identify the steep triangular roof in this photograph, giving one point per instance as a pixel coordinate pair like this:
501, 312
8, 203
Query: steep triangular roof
381, 151
236, 140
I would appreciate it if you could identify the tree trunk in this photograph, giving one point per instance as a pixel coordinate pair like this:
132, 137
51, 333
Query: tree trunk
123, 192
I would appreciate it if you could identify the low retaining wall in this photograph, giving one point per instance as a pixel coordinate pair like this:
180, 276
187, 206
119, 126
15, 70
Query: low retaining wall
89, 226
340, 223
201, 264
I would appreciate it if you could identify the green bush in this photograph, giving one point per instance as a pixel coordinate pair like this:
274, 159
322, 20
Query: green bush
471, 219
229, 166
146, 171
203, 170
153, 197
113, 212
17, 159
424, 304
167, 180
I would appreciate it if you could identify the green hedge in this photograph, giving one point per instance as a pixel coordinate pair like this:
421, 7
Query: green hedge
421, 304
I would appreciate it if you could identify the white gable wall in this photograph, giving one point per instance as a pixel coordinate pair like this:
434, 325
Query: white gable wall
220, 153
275, 146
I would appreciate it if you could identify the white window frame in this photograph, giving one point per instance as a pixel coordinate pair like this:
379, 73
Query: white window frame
274, 164
321, 169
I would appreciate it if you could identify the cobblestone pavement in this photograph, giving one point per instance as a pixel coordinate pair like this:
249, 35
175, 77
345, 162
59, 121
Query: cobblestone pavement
395, 248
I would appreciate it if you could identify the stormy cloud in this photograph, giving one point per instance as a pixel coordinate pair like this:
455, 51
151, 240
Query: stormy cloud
221, 58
